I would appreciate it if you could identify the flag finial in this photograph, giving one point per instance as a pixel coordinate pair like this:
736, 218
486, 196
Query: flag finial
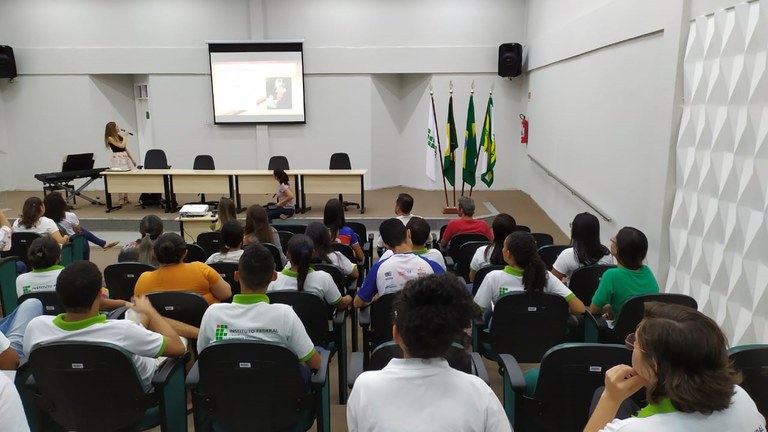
472, 87
490, 92
430, 89
450, 86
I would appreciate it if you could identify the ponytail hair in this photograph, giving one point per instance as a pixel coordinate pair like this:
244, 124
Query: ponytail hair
300, 252
503, 225
522, 246
44, 252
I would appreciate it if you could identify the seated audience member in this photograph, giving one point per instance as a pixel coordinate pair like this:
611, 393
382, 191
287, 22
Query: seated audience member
12, 329
250, 315
142, 250
585, 250
301, 277
225, 212
57, 210
389, 275
333, 218
5, 241
420, 230
430, 313
258, 230
403, 207
465, 224
32, 220
503, 225
679, 355
79, 287
231, 240
630, 278
525, 272
176, 275
321, 238
11, 410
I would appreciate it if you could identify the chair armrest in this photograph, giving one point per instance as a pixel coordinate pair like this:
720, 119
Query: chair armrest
355, 368
193, 376
321, 375
449, 263
479, 323
594, 327
167, 367
480, 370
118, 313
364, 316
512, 372
339, 318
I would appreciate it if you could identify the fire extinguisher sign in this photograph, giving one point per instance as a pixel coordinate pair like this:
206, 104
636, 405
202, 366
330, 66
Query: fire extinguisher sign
523, 130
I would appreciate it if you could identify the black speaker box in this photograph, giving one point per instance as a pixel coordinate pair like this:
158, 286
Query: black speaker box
7, 62
510, 59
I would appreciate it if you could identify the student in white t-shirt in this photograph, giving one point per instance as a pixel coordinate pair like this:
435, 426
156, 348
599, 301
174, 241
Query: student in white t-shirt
679, 355
525, 271
420, 229
585, 249
57, 209
231, 240
11, 410
32, 220
301, 277
403, 207
79, 287
503, 225
421, 391
321, 238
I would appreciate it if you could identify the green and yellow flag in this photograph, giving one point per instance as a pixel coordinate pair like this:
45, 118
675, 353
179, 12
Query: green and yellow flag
470, 146
488, 141
449, 159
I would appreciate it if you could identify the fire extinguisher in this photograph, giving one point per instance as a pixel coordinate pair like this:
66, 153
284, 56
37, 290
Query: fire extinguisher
523, 130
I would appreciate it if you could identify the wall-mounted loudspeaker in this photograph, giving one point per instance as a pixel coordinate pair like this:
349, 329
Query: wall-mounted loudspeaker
7, 62
510, 59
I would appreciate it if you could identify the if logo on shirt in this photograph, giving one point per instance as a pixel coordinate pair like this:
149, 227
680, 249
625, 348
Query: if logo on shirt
221, 331
503, 290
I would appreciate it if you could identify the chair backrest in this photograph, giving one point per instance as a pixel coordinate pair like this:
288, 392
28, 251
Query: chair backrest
290, 227
250, 385
335, 273
585, 280
121, 278
526, 326
312, 311
227, 272
156, 159
69, 374
360, 229
752, 362
79, 243
543, 239
67, 254
456, 356
634, 309
340, 161
278, 162
20, 242
550, 253
442, 231
466, 253
568, 377
522, 228
285, 237
459, 239
203, 162
345, 250
381, 319
187, 307
8, 276
195, 253
275, 254
481, 274
209, 241
50, 300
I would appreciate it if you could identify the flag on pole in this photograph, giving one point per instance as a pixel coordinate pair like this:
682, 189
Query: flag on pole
488, 141
431, 140
470, 145
449, 159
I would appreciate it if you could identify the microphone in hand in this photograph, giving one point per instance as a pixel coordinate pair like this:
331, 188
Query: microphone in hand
129, 133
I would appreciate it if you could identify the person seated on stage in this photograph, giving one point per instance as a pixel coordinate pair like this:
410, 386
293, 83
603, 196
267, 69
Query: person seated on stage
32, 220
630, 278
465, 223
231, 240
333, 218
321, 238
225, 211
258, 230
286, 201
300, 276
57, 210
142, 250
44, 256
390, 275
680, 356
251, 316
420, 230
585, 250
403, 207
525, 272
430, 314
78, 287
503, 225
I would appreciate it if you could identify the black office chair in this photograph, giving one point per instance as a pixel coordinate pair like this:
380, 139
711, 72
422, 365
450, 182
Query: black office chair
278, 162
275, 255
290, 227
155, 159
543, 239
481, 274
285, 236
121, 278
376, 322
187, 307
752, 362
549, 254
50, 300
585, 280
340, 161
454, 245
366, 242
195, 253
8, 276
227, 272
522, 228
464, 258
210, 242
241, 386
20, 242
204, 162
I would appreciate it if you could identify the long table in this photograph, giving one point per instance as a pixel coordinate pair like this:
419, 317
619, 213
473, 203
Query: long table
232, 182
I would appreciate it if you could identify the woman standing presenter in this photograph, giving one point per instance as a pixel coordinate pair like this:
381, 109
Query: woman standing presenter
121, 157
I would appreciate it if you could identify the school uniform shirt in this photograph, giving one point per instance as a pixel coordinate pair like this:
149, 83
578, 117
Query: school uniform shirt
402, 218
619, 284
500, 282
741, 415
423, 395
38, 280
390, 275
43, 226
11, 410
347, 236
195, 277
568, 262
4, 343
225, 257
337, 259
252, 317
144, 345
318, 283
478, 259
464, 226
429, 253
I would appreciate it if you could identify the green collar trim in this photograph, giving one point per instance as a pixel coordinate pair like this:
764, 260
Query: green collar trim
47, 269
421, 251
663, 407
78, 325
513, 271
288, 272
250, 298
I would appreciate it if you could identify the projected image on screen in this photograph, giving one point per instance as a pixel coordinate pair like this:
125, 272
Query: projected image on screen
257, 82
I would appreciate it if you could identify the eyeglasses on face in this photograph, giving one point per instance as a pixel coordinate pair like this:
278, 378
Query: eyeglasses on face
631, 342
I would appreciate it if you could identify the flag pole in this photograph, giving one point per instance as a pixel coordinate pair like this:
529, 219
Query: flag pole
480, 144
452, 210
471, 93
439, 147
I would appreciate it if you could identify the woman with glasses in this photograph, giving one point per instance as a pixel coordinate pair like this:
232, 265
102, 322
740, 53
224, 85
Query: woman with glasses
679, 355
